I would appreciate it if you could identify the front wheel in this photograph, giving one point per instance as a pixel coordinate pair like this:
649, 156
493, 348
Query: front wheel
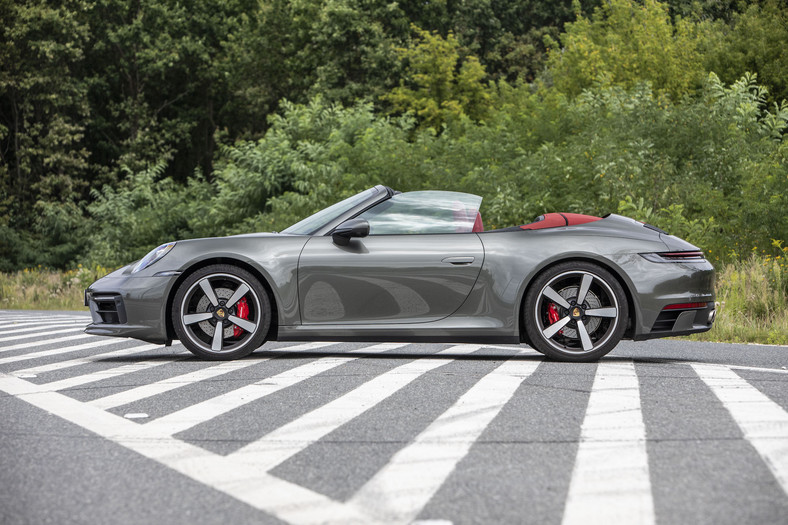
575, 311
221, 312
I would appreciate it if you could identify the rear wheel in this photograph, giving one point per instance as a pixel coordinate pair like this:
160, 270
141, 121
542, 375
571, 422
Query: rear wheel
575, 311
221, 312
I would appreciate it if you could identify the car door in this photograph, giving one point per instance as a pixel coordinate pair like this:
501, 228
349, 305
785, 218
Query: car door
387, 278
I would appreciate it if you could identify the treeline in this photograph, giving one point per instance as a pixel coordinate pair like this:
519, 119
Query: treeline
126, 124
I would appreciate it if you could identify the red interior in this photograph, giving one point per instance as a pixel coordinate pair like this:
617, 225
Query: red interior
556, 220
478, 225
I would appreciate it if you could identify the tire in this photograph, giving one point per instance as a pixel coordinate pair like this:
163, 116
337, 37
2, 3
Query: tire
213, 296
583, 327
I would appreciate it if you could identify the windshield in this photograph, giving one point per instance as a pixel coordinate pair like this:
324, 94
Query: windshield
419, 212
314, 222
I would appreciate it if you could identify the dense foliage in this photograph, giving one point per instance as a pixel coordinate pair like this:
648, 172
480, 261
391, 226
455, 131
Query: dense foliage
124, 125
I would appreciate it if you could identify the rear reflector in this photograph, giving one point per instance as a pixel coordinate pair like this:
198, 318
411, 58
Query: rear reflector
685, 306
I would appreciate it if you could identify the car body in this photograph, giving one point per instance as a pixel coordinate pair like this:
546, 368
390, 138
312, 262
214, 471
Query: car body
414, 267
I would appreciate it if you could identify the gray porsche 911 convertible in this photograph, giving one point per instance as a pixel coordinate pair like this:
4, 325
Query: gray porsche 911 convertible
414, 267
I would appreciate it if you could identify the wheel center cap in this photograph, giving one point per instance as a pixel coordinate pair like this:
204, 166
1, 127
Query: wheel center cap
577, 313
221, 313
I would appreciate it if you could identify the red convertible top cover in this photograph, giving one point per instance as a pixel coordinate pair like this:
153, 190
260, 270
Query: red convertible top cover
556, 220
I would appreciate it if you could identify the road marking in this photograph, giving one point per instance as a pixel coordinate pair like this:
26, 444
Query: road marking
757, 369
107, 374
260, 490
165, 385
63, 350
40, 334
290, 439
60, 365
28, 321
38, 326
763, 422
45, 342
399, 491
610, 482
193, 415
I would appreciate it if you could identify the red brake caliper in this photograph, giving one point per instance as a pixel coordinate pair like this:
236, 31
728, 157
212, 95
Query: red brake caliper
552, 314
243, 312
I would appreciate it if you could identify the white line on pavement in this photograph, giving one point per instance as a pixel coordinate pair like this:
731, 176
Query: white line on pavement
288, 440
41, 333
93, 377
60, 365
165, 385
193, 415
399, 491
258, 489
62, 350
44, 342
6, 321
610, 482
763, 422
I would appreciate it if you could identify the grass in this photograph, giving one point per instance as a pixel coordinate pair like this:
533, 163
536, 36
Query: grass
752, 296
45, 289
752, 302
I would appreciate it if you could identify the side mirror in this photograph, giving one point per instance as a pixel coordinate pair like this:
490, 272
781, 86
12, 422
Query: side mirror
349, 229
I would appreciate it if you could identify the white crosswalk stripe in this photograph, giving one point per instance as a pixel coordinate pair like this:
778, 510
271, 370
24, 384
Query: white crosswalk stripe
610, 481
398, 492
152, 389
763, 422
58, 351
193, 415
286, 441
15, 337
69, 363
44, 342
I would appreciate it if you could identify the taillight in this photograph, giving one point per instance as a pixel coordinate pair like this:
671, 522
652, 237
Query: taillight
668, 257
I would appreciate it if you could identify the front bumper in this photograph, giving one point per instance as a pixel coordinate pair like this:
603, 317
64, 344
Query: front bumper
122, 305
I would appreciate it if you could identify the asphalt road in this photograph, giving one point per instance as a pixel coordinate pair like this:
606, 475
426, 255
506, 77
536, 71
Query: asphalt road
112, 431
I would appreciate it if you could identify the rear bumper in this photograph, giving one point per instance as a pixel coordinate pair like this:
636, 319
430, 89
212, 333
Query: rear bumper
671, 323
655, 286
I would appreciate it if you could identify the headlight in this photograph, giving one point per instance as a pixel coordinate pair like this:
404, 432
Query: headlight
153, 256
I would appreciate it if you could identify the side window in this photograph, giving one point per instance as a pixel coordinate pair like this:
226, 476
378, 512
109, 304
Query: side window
420, 212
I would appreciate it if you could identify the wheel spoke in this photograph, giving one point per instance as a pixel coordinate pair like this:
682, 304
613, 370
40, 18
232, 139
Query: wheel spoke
610, 311
196, 318
209, 293
555, 297
553, 329
216, 346
240, 292
585, 284
585, 340
243, 323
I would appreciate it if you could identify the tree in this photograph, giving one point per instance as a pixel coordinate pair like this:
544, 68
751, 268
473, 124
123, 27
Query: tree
439, 84
756, 42
626, 42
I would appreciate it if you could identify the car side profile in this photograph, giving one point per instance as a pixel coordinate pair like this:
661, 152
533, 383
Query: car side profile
413, 267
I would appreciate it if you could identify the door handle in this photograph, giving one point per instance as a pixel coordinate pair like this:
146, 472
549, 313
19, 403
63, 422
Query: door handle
458, 261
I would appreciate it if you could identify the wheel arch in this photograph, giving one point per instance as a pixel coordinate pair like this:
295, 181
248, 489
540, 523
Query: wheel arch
614, 270
274, 328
